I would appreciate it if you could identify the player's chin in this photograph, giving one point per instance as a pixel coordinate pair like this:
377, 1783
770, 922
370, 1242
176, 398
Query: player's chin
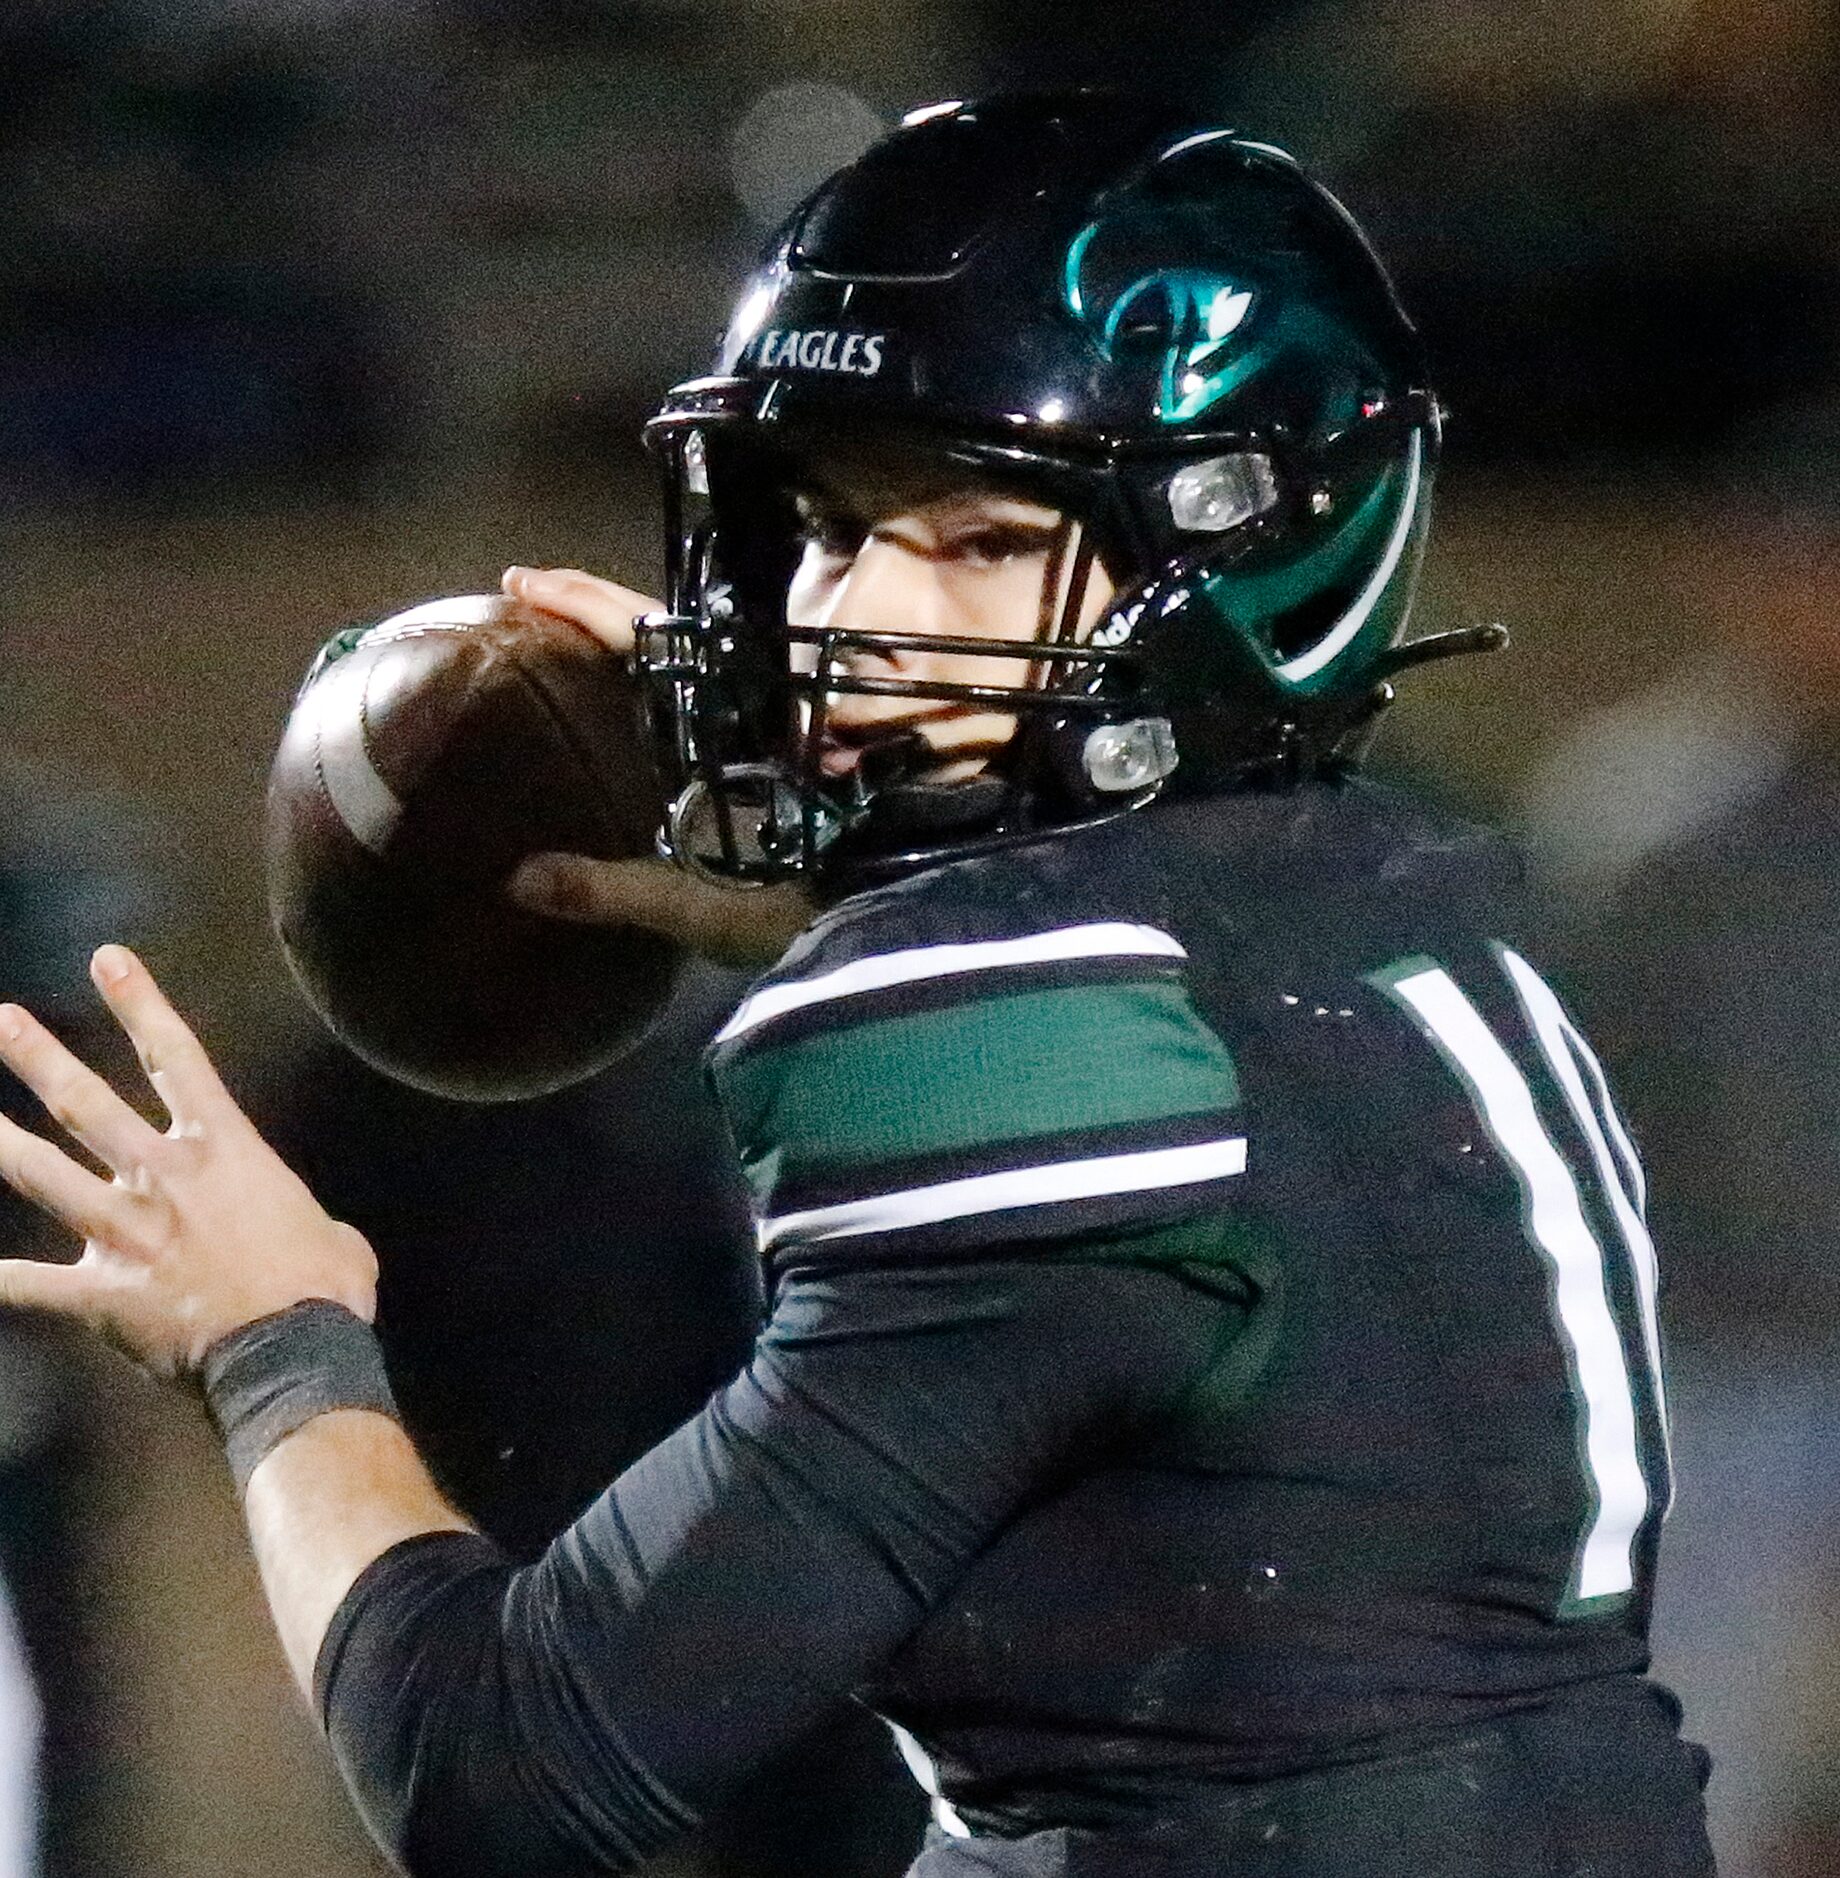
958, 746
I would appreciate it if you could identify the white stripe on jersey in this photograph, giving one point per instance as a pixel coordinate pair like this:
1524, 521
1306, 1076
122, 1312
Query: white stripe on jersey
1141, 1172
926, 1777
1556, 1222
1106, 939
1563, 1042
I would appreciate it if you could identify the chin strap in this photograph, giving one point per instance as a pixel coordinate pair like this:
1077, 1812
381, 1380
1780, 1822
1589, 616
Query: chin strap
1489, 637
893, 781
1351, 743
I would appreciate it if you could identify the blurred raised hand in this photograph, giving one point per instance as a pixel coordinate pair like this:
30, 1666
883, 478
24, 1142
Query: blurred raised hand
194, 1230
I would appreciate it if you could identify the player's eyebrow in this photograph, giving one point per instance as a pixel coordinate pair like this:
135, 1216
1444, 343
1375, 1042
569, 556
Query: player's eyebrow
974, 503
822, 512
950, 516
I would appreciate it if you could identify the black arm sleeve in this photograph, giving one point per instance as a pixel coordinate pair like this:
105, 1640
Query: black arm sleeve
748, 1572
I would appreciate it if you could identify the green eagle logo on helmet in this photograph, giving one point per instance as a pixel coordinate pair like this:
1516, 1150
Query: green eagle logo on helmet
1196, 315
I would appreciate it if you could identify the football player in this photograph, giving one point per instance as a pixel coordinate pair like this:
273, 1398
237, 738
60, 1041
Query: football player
1211, 1403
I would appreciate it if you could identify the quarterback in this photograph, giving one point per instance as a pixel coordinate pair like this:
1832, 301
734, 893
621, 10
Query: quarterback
1211, 1400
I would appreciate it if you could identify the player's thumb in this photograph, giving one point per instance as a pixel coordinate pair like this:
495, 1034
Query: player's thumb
733, 926
34, 1285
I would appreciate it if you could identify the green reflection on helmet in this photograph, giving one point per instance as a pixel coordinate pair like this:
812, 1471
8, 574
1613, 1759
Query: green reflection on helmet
1365, 568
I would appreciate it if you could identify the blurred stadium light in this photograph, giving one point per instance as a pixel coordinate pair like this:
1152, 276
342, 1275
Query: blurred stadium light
790, 139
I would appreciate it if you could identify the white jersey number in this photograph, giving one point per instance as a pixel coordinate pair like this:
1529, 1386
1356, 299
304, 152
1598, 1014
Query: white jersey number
1558, 1225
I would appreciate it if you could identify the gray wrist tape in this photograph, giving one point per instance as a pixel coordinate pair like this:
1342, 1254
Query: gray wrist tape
273, 1376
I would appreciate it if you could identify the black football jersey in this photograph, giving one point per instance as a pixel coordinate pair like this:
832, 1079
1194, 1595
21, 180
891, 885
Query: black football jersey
1286, 1043
1212, 1341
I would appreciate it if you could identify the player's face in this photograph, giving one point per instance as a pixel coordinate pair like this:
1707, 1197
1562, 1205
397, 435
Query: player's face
969, 565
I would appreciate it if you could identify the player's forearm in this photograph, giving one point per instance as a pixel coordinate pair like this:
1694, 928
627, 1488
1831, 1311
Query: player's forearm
328, 1501
389, 1607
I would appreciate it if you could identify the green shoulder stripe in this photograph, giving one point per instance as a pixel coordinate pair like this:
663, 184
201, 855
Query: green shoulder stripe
974, 1076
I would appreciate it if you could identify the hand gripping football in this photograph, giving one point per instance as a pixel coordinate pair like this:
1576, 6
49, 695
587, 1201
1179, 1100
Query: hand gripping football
424, 758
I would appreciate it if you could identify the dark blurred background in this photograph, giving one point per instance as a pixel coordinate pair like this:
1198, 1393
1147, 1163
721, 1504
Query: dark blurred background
310, 308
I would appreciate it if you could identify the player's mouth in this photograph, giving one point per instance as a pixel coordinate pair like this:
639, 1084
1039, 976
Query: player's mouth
844, 745
934, 748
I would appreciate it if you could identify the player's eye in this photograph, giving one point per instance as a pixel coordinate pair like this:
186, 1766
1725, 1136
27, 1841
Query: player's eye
995, 544
835, 533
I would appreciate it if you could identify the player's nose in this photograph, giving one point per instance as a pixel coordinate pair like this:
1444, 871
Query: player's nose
889, 589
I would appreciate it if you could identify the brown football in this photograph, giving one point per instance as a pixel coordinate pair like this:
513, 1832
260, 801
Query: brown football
424, 758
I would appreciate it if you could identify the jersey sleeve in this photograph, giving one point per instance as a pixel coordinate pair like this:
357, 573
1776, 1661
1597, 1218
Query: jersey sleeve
922, 1100
749, 1572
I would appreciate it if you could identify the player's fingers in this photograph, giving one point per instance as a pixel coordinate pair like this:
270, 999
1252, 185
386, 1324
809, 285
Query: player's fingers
602, 893
604, 608
30, 1285
175, 1061
74, 1096
90, 1206
737, 927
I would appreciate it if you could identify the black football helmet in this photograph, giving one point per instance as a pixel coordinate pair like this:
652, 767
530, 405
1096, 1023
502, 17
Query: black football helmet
1162, 329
